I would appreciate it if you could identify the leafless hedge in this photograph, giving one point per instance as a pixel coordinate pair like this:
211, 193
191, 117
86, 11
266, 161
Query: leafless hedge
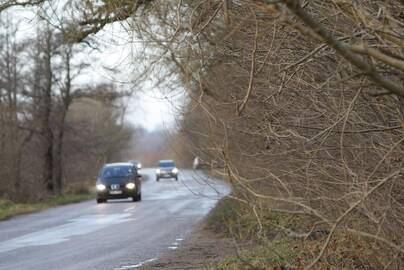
302, 105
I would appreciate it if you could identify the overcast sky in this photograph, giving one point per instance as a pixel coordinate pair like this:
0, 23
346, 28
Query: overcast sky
149, 107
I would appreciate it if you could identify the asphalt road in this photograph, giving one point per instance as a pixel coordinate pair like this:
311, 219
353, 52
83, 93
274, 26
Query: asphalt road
118, 235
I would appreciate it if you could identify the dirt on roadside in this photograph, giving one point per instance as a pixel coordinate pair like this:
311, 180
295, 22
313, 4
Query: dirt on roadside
198, 250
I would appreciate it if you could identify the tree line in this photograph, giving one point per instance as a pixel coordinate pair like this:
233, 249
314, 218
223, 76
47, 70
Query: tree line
54, 131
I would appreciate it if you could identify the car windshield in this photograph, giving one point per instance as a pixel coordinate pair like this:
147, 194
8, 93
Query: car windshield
166, 164
117, 171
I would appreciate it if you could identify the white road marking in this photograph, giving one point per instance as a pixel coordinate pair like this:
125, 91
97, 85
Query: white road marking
124, 267
129, 209
172, 248
80, 226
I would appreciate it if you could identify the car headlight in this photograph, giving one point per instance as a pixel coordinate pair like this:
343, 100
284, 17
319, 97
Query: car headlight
101, 187
158, 171
139, 165
130, 185
175, 170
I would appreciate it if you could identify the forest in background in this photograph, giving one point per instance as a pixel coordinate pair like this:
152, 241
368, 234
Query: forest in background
299, 104
54, 132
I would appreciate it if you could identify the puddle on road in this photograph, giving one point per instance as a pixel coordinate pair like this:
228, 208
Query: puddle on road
80, 226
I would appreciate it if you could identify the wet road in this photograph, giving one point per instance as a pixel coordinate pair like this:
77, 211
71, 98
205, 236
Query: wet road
118, 235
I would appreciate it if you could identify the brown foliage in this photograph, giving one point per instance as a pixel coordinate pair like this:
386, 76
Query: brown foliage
302, 119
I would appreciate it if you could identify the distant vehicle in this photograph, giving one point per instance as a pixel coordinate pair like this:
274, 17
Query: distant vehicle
166, 169
199, 163
119, 181
136, 163
196, 163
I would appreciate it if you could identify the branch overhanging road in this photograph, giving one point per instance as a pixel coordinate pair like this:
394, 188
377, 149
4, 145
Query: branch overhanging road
117, 235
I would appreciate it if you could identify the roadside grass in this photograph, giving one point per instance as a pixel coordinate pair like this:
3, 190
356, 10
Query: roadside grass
274, 255
232, 218
72, 194
278, 240
257, 245
265, 245
10, 209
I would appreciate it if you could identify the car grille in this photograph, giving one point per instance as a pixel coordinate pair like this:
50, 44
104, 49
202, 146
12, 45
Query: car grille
116, 186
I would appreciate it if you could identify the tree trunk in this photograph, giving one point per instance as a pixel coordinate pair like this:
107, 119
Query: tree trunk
66, 101
46, 119
58, 177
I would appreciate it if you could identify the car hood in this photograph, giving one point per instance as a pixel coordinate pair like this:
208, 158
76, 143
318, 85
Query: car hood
115, 180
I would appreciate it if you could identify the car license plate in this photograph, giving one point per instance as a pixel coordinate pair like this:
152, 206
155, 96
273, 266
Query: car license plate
115, 192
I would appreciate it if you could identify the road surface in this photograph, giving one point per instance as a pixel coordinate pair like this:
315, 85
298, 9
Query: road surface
118, 235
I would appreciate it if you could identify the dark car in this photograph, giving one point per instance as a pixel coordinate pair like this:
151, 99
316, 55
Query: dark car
166, 169
137, 163
118, 181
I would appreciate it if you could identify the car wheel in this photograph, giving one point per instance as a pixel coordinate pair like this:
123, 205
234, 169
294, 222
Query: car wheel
137, 197
157, 179
176, 178
101, 201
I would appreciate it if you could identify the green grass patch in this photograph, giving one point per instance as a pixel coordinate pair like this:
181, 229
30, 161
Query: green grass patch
10, 209
274, 255
260, 249
233, 218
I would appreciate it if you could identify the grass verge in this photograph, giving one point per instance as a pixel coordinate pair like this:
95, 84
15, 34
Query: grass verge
264, 245
273, 255
235, 219
10, 209
257, 247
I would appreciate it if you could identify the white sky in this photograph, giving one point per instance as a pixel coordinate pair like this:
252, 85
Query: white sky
149, 107
116, 62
